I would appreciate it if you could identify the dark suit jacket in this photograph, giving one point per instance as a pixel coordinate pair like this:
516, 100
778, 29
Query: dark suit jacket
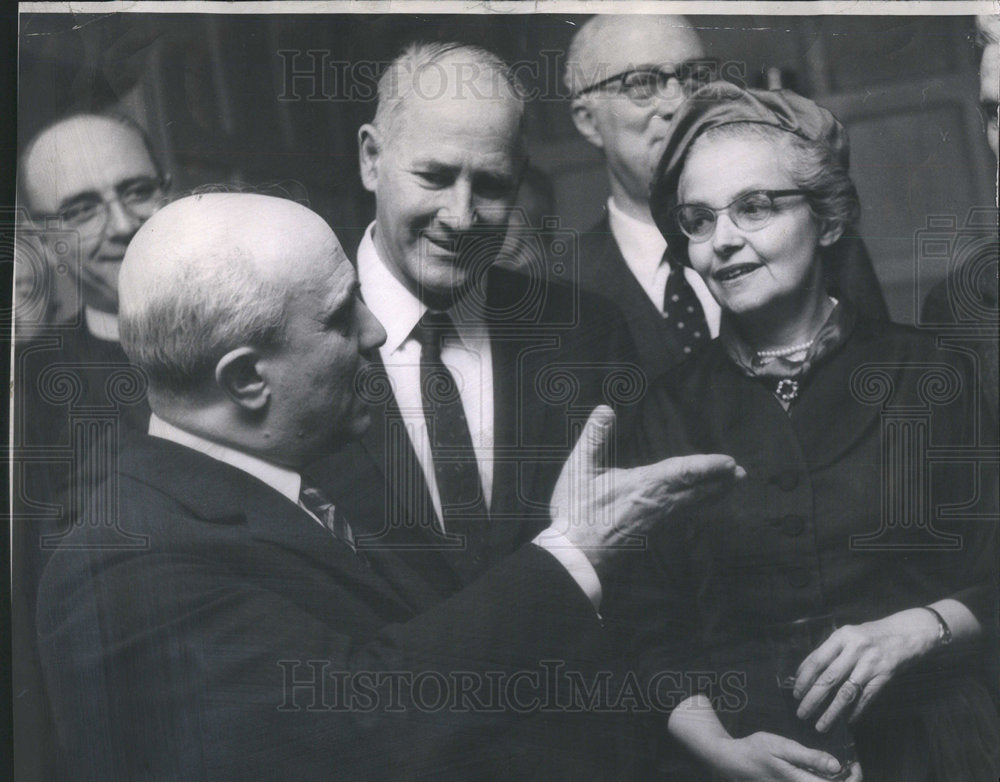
71, 392
963, 309
243, 641
603, 270
851, 507
557, 353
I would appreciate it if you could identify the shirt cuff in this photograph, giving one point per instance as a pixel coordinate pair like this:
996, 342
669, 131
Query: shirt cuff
575, 562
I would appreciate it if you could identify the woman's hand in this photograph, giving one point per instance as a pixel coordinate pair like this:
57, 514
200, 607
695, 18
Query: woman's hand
771, 757
857, 661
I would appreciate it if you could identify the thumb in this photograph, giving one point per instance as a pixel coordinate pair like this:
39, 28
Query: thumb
590, 450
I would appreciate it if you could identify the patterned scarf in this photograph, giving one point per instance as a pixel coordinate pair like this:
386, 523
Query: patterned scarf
785, 375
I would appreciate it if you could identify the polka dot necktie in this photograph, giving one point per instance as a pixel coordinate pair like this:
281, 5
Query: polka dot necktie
682, 312
456, 470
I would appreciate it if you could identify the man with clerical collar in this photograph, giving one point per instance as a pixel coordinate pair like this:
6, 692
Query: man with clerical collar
89, 182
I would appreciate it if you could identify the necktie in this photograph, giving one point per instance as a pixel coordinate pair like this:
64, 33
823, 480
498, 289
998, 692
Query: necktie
455, 467
320, 506
682, 311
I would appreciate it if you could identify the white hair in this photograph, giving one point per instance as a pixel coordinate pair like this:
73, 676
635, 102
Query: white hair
402, 79
178, 321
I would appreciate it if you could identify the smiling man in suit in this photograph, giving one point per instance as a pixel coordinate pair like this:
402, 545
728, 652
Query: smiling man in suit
485, 372
627, 75
252, 636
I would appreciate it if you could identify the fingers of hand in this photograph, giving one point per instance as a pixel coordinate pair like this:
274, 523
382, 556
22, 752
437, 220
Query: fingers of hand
691, 470
589, 455
849, 692
802, 758
871, 689
816, 663
829, 680
596, 433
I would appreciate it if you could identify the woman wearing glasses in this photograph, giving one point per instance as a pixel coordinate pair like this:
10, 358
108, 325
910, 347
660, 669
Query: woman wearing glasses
831, 617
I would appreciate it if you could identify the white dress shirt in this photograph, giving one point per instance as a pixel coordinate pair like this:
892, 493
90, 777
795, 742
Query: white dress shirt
642, 246
470, 360
283, 480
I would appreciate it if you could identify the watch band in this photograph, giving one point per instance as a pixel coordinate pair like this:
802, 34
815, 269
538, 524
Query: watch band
944, 632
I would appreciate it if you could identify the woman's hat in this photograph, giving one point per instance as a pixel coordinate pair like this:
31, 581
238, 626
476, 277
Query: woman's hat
723, 103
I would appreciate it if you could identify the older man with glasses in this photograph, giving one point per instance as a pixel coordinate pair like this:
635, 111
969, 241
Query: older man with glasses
627, 75
88, 182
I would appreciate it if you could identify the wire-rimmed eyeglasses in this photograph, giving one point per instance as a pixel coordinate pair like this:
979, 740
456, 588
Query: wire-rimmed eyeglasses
750, 212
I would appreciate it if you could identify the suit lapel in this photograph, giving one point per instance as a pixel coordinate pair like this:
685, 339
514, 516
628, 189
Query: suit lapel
515, 345
607, 274
830, 397
221, 494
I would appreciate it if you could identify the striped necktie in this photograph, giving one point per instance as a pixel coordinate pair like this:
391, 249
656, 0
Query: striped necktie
317, 503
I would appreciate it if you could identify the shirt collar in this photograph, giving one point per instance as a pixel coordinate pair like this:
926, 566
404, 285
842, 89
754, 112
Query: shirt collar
397, 308
103, 325
283, 480
641, 244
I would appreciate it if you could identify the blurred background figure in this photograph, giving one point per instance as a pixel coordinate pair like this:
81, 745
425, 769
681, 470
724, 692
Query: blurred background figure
526, 244
968, 295
989, 77
89, 181
36, 305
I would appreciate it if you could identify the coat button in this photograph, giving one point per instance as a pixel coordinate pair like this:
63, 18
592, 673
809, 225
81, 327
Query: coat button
798, 577
793, 524
786, 480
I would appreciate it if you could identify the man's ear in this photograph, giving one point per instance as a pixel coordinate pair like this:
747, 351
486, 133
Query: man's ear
237, 375
369, 147
830, 233
583, 118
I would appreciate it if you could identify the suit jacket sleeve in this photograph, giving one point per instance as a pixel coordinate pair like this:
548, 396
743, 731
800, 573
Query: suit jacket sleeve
164, 664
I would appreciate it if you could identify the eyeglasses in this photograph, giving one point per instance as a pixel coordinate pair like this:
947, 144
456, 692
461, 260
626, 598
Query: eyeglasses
640, 85
750, 212
140, 198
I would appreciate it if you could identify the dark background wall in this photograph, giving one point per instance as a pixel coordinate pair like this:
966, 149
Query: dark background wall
277, 100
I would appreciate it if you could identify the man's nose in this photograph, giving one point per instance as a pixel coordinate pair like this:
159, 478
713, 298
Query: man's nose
371, 333
458, 211
122, 224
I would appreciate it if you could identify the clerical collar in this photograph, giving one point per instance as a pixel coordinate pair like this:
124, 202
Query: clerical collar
103, 325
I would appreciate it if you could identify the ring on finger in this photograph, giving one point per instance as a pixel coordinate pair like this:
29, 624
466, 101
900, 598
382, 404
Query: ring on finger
855, 689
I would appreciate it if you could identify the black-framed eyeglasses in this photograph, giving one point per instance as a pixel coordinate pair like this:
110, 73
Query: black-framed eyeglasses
139, 197
750, 212
641, 85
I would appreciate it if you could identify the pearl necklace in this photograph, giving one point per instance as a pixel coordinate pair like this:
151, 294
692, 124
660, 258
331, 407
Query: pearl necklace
789, 351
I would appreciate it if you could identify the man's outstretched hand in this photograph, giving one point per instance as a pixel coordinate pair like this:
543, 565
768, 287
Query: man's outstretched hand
599, 509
